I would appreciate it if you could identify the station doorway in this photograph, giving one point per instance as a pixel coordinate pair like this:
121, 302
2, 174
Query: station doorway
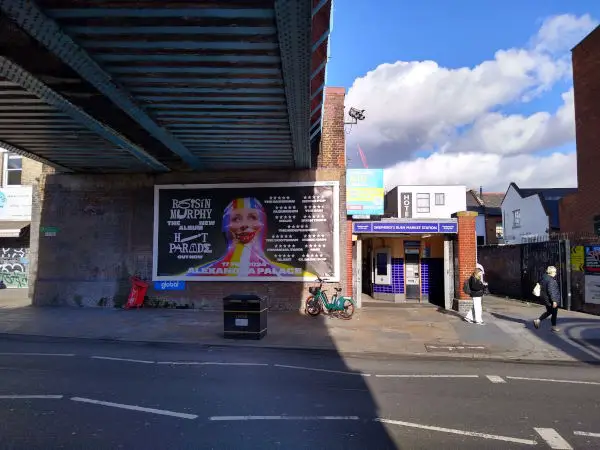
405, 269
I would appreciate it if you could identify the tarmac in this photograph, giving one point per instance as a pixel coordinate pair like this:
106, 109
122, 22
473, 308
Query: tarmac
420, 331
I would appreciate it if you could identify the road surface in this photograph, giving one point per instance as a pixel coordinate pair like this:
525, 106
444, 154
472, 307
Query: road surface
94, 395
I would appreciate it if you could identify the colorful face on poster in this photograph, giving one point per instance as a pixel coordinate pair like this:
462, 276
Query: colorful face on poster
246, 233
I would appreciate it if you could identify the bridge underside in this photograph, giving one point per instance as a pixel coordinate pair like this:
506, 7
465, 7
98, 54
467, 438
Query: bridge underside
111, 86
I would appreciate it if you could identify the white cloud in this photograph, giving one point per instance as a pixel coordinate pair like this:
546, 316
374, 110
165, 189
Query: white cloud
559, 34
514, 134
493, 172
418, 105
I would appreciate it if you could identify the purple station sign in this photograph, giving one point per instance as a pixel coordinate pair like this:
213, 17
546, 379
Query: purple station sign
405, 227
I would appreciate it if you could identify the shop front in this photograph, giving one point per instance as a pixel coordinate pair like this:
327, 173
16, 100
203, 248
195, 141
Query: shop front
404, 261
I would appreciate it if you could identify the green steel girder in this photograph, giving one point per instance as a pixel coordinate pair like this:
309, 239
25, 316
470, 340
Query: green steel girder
18, 75
34, 21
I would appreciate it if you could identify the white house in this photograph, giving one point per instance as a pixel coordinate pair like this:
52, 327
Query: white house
425, 202
531, 214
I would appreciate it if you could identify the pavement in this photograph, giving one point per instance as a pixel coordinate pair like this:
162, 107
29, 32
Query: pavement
87, 394
419, 331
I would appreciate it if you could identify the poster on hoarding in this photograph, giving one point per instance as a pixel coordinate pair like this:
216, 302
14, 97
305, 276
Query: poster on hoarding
592, 289
246, 232
16, 203
592, 259
364, 192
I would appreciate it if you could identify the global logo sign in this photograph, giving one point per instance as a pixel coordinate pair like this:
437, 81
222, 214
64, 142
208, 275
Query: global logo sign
169, 285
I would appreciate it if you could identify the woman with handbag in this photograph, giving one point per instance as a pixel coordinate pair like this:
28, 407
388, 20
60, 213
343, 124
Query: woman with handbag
476, 291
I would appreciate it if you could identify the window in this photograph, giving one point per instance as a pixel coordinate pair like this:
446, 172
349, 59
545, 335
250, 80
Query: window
480, 241
440, 199
382, 268
499, 231
13, 168
516, 218
423, 203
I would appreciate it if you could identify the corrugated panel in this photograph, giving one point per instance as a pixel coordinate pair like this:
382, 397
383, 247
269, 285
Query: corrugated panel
29, 123
204, 77
208, 72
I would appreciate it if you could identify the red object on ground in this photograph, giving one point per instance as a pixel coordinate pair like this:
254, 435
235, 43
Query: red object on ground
137, 293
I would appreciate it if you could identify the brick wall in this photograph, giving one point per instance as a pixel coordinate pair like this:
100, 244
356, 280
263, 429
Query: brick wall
577, 211
31, 170
490, 229
106, 231
333, 143
349, 269
467, 254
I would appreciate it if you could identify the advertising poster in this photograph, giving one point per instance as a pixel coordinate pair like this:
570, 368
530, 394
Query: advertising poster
16, 203
577, 258
592, 259
364, 192
592, 289
247, 232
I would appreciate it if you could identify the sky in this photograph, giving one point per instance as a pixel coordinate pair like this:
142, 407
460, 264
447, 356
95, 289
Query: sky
467, 92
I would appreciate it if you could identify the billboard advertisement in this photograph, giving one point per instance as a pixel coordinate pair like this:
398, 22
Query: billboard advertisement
15, 203
246, 232
592, 258
364, 192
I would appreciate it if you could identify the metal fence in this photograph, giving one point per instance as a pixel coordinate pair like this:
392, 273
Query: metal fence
513, 270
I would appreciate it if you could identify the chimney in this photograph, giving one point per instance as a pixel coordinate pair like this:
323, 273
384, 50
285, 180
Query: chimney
481, 192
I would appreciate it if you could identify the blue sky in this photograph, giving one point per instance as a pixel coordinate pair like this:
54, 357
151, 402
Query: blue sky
459, 34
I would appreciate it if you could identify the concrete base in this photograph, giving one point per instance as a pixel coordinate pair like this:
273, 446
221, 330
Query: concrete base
395, 298
462, 305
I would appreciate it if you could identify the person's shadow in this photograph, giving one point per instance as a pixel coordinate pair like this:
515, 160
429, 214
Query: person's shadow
578, 338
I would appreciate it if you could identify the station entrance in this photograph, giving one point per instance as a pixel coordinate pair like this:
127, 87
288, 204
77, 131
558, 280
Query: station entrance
404, 267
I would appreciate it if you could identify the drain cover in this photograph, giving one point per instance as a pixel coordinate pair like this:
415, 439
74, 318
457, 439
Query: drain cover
456, 348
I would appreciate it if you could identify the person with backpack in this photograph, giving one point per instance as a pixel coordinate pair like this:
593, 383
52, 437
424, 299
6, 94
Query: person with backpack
547, 289
475, 287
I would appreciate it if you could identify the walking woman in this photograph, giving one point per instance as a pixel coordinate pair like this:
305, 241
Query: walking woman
550, 295
476, 290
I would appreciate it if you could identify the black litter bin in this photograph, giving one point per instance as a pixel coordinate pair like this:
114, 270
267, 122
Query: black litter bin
244, 316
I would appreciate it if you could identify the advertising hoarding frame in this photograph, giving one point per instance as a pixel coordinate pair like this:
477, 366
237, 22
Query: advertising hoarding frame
335, 185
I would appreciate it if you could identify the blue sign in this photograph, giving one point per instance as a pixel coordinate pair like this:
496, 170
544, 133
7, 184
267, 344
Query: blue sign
364, 192
169, 285
405, 227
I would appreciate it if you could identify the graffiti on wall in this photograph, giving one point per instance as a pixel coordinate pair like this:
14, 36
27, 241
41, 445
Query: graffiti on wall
14, 267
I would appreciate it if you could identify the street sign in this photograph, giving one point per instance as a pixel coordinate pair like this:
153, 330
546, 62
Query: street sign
405, 227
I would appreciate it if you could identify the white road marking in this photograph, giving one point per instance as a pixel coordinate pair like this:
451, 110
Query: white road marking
322, 370
553, 439
459, 432
595, 383
109, 358
161, 412
427, 376
243, 418
200, 363
495, 379
37, 354
48, 397
585, 433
